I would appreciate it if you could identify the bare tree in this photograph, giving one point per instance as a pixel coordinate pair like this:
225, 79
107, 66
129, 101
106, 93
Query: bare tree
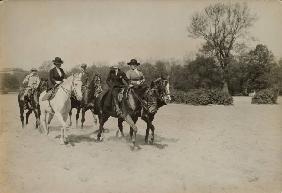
222, 26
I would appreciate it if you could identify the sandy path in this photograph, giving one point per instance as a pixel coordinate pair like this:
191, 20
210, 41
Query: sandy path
198, 149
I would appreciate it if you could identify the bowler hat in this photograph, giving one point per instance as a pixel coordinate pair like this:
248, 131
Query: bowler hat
58, 60
33, 70
114, 67
133, 62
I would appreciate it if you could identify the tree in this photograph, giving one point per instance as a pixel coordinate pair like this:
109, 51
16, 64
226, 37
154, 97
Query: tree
261, 68
44, 69
9, 82
204, 73
221, 26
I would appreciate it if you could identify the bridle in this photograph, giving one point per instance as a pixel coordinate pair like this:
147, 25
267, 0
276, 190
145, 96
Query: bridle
161, 85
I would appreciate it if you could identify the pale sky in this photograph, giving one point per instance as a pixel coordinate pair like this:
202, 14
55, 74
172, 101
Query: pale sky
110, 31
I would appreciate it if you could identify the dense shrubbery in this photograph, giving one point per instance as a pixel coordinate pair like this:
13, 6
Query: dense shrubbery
203, 97
266, 96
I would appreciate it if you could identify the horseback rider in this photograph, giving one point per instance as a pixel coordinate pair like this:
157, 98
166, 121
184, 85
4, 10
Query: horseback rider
56, 77
136, 77
30, 84
84, 74
116, 80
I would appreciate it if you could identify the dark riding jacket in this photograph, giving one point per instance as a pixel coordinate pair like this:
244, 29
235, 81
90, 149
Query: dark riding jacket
117, 80
55, 76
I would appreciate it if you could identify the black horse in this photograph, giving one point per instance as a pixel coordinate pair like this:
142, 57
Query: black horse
161, 97
132, 107
89, 100
31, 103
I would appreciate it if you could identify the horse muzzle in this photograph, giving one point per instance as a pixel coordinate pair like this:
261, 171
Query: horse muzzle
167, 99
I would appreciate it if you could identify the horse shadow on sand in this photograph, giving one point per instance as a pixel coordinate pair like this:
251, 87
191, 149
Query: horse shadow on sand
160, 142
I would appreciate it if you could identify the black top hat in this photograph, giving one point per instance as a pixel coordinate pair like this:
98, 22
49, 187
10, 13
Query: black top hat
33, 70
58, 60
133, 62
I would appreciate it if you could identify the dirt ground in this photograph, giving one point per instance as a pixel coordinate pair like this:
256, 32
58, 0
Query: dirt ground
198, 149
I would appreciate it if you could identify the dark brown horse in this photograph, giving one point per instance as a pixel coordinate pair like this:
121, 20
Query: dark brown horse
161, 97
89, 100
31, 103
132, 107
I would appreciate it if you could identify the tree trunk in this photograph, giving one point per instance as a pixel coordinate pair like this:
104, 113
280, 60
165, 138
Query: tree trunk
225, 87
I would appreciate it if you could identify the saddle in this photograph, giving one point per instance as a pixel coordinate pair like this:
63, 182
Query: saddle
50, 94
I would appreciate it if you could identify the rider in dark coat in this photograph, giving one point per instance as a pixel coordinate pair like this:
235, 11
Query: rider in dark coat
116, 81
84, 74
56, 77
56, 74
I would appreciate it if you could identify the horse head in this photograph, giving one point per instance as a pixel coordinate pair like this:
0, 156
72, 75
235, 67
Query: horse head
76, 85
161, 84
94, 85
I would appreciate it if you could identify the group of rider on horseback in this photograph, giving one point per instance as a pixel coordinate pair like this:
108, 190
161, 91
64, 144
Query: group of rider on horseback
127, 98
118, 82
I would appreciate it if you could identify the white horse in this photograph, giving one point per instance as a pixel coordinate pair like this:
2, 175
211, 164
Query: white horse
60, 105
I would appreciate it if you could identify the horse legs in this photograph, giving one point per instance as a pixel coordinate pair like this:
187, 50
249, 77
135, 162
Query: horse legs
22, 114
147, 133
94, 116
44, 123
50, 117
27, 116
37, 116
70, 114
103, 118
83, 116
133, 128
150, 125
153, 132
120, 127
77, 116
62, 119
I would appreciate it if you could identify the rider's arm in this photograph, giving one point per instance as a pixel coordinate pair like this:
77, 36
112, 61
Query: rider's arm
63, 74
125, 79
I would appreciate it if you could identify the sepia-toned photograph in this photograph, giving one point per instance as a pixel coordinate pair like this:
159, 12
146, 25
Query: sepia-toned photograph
140, 96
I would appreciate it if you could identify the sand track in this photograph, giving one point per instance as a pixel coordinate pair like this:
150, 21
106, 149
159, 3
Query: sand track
197, 149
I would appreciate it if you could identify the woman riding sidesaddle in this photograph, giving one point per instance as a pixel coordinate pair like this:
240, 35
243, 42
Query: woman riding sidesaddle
56, 77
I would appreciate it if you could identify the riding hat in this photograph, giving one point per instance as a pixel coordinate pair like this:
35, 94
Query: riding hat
133, 62
83, 65
33, 70
114, 67
58, 60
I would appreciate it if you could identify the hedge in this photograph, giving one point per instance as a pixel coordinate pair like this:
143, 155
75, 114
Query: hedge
202, 97
266, 96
